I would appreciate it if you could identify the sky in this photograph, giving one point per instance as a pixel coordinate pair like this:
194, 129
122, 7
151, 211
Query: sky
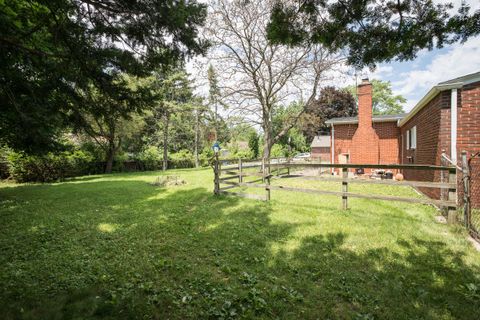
411, 79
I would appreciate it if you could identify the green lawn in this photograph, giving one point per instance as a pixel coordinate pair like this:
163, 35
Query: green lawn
115, 247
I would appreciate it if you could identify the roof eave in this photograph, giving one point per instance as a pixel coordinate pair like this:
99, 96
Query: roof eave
427, 98
356, 121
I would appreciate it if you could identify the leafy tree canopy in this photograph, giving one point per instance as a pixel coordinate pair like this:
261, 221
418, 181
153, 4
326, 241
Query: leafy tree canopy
332, 103
383, 99
372, 31
54, 51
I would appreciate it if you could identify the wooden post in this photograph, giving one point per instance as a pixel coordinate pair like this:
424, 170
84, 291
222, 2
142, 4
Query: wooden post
344, 188
240, 171
263, 170
443, 191
466, 190
452, 196
266, 176
216, 180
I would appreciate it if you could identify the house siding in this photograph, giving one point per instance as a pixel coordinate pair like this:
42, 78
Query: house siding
321, 152
468, 136
388, 144
433, 135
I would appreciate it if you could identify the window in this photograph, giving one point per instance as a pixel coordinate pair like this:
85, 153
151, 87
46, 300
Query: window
411, 138
407, 139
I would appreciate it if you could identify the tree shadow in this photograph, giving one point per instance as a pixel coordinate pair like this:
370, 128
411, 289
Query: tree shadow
130, 250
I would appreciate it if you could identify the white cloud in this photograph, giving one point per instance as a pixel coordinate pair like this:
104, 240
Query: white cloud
460, 60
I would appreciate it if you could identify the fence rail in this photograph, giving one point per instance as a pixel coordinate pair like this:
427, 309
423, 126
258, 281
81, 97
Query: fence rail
232, 176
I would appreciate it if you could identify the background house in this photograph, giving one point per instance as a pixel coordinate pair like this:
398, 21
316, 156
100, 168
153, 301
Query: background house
320, 148
365, 139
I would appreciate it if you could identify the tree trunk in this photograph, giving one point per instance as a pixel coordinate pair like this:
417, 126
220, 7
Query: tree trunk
110, 157
215, 120
197, 125
268, 137
165, 141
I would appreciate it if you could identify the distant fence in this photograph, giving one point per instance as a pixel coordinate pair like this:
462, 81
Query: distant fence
232, 176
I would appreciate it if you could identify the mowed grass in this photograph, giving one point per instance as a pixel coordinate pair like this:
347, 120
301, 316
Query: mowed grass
116, 247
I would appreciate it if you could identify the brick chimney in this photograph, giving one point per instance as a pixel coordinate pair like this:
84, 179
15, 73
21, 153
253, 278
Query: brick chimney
364, 92
365, 141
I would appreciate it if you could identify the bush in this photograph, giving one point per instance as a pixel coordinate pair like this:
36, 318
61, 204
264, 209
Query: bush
50, 167
278, 151
181, 159
151, 158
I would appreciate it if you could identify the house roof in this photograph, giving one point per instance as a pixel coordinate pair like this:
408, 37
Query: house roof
376, 118
455, 83
321, 141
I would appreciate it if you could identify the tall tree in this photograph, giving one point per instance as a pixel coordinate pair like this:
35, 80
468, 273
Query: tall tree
109, 118
213, 97
257, 76
332, 103
53, 51
372, 31
383, 99
174, 96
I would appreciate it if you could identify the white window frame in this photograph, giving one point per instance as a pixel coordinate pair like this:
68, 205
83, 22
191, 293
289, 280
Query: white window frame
413, 142
407, 139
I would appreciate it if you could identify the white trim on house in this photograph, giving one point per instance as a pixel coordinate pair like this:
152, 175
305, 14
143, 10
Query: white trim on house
427, 98
453, 126
456, 83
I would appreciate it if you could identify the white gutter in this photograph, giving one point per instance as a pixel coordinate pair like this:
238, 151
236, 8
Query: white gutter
453, 126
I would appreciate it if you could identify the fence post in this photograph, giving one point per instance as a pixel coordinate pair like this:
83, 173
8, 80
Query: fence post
240, 170
443, 191
216, 180
266, 178
263, 170
452, 196
344, 188
466, 189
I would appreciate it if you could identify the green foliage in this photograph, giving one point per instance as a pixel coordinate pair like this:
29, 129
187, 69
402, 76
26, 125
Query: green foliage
56, 51
383, 99
372, 31
278, 151
181, 159
49, 167
332, 103
254, 145
151, 157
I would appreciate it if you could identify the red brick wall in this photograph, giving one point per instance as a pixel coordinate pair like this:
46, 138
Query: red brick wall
365, 141
388, 134
468, 133
433, 135
387, 142
321, 152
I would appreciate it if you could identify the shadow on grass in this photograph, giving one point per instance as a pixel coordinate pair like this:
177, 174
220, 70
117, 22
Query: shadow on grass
125, 249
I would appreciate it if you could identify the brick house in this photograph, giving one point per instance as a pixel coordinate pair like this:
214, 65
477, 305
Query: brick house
366, 138
446, 118
320, 148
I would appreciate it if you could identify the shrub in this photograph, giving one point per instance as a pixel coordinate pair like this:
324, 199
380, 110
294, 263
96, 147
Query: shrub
49, 167
182, 159
4, 170
151, 158
278, 151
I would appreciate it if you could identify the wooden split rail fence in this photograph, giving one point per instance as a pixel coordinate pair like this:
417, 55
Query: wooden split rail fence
232, 176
